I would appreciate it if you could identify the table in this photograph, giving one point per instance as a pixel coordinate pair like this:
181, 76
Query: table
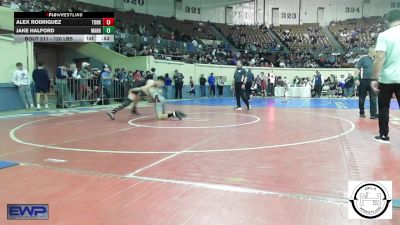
301, 92
279, 91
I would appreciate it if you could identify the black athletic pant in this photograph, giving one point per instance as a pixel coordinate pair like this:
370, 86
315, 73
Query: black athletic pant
212, 90
318, 90
178, 90
385, 95
220, 90
125, 104
240, 93
247, 88
365, 87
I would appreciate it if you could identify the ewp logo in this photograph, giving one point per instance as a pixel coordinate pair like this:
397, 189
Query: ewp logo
27, 211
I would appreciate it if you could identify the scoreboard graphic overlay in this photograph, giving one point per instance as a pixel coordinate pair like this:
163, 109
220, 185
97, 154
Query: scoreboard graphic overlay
64, 26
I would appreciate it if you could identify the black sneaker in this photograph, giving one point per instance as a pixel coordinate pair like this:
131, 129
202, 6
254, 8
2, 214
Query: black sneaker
111, 115
382, 139
177, 115
180, 115
362, 116
373, 117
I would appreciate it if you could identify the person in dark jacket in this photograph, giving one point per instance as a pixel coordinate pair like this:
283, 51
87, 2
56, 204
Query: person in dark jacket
203, 81
349, 86
168, 86
42, 84
61, 85
250, 79
211, 82
178, 79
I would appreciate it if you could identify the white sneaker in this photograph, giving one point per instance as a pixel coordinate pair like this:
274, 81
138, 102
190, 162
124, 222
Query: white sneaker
238, 108
26, 106
32, 106
38, 107
46, 106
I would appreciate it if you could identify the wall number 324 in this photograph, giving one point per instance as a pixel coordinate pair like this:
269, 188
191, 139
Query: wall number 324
352, 10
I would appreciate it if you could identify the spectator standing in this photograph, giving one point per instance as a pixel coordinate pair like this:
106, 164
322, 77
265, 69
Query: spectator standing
71, 84
61, 85
272, 79
332, 85
178, 80
153, 73
318, 83
203, 81
249, 83
211, 83
168, 86
349, 86
192, 87
21, 80
83, 77
263, 79
364, 65
106, 80
220, 84
387, 68
42, 85
240, 79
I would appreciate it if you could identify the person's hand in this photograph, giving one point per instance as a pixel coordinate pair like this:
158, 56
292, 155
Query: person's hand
375, 85
357, 82
243, 86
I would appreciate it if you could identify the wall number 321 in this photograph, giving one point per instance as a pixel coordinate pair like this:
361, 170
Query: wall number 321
193, 10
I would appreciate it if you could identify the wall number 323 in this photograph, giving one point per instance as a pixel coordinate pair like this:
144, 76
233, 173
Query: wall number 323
289, 15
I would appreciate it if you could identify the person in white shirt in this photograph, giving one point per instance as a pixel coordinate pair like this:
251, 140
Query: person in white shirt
220, 85
271, 84
21, 80
387, 69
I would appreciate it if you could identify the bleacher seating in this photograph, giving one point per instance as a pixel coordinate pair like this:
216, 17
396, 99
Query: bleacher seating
243, 36
304, 37
357, 34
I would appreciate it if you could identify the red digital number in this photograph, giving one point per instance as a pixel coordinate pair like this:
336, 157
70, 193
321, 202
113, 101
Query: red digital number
108, 22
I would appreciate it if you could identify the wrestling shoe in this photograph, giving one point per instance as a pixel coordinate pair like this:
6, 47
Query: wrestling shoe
111, 115
180, 115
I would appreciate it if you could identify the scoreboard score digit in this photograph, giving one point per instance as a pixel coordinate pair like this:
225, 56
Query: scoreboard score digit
64, 26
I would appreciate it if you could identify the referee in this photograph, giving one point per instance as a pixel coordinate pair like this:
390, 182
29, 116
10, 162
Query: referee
240, 78
364, 66
387, 68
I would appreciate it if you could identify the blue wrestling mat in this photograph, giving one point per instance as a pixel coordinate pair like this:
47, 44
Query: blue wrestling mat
6, 164
278, 103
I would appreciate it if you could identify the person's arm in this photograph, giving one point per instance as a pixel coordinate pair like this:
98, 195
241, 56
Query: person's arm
244, 78
149, 84
15, 78
378, 64
378, 61
47, 78
34, 76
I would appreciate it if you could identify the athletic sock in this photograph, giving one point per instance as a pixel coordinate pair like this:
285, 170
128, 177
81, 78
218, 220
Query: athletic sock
122, 106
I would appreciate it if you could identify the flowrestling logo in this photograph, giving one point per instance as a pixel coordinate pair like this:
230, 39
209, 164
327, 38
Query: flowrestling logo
370, 200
